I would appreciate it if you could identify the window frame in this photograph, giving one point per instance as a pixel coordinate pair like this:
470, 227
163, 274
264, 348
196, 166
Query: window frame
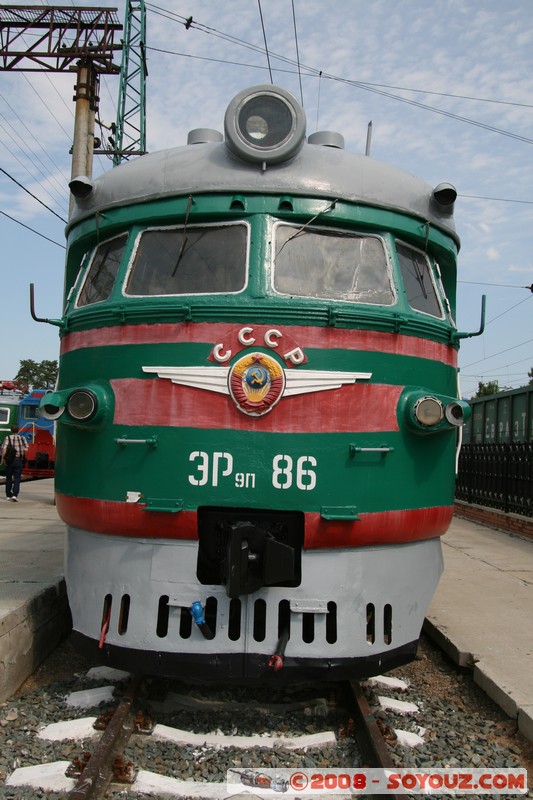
441, 298
357, 234
138, 236
28, 412
87, 269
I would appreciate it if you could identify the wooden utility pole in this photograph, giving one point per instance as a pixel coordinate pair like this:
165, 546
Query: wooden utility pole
86, 99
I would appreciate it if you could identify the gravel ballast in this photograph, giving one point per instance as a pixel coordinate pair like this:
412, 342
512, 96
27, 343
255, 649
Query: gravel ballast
458, 725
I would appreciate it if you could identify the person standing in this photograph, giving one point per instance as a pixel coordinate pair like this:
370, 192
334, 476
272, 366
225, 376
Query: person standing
14, 462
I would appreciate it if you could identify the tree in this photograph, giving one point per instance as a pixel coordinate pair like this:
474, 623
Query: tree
483, 389
37, 375
530, 375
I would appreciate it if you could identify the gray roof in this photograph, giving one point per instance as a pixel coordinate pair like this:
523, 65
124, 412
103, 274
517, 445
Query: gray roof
316, 170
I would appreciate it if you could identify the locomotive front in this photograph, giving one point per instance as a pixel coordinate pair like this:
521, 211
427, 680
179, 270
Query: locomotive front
257, 404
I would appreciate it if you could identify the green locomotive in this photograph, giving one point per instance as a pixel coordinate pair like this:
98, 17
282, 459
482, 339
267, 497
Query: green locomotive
257, 408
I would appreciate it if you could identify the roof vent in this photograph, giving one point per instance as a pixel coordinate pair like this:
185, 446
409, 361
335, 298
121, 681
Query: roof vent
327, 139
445, 194
204, 136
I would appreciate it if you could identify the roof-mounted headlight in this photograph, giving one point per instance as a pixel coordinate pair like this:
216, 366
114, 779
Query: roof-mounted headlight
264, 124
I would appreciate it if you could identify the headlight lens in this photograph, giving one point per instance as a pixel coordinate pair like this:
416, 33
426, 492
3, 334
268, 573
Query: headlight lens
265, 121
428, 411
81, 405
264, 124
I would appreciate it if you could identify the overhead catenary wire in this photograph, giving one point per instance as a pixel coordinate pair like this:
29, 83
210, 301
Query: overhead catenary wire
316, 72
32, 135
297, 53
497, 199
504, 285
265, 41
13, 219
31, 194
313, 72
504, 366
318, 100
358, 84
32, 87
41, 174
507, 310
507, 350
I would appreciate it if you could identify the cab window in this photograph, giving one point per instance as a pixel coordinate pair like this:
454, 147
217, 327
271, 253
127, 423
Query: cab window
207, 259
418, 281
28, 412
102, 272
334, 265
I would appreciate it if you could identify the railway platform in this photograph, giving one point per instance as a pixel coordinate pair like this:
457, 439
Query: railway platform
482, 612
34, 614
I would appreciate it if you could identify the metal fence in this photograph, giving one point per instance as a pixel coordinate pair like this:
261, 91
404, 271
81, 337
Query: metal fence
498, 476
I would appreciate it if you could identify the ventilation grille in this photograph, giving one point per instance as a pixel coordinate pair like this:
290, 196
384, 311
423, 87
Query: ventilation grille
303, 627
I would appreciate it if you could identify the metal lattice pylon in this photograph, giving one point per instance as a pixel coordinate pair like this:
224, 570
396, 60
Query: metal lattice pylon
130, 133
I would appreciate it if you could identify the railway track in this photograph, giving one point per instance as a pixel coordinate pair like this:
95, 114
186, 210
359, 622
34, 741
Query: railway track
108, 762
289, 735
324, 730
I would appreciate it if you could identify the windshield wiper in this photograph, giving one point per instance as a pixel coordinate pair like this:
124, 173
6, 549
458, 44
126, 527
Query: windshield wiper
301, 230
420, 277
185, 237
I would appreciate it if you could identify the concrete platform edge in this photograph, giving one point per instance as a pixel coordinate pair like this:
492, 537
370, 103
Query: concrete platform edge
462, 658
525, 721
494, 687
30, 633
515, 709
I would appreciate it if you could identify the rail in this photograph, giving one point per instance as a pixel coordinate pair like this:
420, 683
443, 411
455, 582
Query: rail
98, 770
106, 763
498, 476
367, 732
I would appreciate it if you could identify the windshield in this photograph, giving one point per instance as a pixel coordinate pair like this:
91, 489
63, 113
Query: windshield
334, 265
192, 260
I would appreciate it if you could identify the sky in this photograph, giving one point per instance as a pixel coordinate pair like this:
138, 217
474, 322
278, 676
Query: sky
448, 87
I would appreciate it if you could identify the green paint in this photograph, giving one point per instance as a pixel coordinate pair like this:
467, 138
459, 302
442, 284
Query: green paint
126, 361
417, 473
257, 302
328, 473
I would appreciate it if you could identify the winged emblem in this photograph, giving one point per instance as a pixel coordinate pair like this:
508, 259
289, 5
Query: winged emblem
256, 381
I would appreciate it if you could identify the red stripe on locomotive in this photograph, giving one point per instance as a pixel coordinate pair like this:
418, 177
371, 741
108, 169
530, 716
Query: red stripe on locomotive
356, 407
380, 528
307, 337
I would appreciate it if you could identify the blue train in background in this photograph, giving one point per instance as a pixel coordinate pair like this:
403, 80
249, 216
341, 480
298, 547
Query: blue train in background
20, 407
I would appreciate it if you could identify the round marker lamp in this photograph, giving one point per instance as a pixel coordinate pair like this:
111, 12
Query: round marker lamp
455, 414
